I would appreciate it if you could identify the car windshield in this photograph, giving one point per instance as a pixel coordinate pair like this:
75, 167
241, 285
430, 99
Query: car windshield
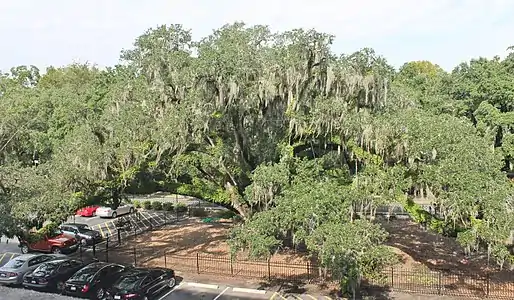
15, 263
48, 267
85, 274
129, 282
54, 233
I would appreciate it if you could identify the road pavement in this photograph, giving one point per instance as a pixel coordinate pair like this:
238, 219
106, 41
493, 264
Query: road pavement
190, 290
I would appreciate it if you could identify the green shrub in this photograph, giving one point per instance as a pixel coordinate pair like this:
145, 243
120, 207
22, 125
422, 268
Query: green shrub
180, 207
226, 214
147, 204
137, 203
199, 212
156, 205
167, 206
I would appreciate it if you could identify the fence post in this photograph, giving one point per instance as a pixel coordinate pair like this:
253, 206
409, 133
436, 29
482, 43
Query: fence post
308, 271
269, 268
107, 250
197, 263
487, 279
165, 260
440, 283
119, 237
392, 277
231, 266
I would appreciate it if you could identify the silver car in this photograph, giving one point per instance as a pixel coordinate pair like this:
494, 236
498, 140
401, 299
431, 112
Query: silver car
109, 212
12, 272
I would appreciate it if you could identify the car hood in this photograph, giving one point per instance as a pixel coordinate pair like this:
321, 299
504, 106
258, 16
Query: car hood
4, 269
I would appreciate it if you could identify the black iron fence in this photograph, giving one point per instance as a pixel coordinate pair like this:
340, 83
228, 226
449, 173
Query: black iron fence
448, 283
123, 247
413, 280
130, 226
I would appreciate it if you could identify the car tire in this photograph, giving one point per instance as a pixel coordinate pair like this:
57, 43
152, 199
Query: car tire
114, 215
24, 249
59, 286
56, 250
172, 282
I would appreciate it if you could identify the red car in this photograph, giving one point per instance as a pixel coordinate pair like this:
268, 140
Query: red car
87, 211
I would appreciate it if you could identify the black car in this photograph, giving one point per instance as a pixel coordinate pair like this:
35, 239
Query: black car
82, 232
142, 284
93, 280
51, 275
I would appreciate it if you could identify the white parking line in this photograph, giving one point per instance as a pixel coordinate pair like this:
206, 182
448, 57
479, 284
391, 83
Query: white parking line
219, 295
171, 291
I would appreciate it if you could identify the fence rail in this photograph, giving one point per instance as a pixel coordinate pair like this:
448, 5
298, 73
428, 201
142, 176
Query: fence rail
392, 279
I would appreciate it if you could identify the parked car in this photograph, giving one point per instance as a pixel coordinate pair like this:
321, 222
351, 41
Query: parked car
13, 271
142, 284
82, 232
55, 242
93, 280
110, 212
87, 211
51, 275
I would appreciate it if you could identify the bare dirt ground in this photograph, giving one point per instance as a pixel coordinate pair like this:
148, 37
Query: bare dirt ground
431, 254
195, 247
432, 250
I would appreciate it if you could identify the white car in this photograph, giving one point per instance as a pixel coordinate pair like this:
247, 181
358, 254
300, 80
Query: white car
109, 212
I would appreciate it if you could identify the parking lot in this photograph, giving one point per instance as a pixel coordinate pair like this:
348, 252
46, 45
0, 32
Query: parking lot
7, 256
189, 290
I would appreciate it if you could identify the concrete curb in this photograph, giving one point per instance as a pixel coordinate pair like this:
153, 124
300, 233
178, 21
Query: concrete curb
249, 291
202, 285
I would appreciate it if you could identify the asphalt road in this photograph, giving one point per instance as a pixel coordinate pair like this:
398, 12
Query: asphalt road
185, 291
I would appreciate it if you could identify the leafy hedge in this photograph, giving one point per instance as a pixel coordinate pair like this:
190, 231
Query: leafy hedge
40, 234
160, 205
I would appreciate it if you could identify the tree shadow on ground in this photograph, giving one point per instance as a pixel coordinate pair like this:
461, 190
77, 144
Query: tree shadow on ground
444, 255
435, 251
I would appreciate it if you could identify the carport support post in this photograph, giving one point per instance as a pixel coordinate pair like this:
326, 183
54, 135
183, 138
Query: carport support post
134, 252
94, 249
119, 237
107, 250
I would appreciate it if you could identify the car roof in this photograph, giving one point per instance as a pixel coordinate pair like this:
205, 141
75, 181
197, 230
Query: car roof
27, 256
59, 260
101, 264
136, 271
75, 224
